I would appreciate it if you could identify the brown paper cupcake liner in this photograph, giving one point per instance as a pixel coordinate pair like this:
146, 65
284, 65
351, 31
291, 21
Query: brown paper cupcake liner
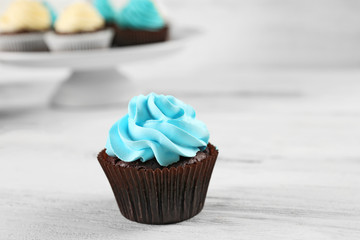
160, 196
128, 37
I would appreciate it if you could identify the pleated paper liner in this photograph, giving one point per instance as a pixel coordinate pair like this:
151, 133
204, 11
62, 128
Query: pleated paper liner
23, 42
128, 37
160, 196
80, 41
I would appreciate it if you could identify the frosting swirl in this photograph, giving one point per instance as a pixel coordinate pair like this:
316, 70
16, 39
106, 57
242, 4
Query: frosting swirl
140, 14
79, 17
157, 126
105, 9
25, 15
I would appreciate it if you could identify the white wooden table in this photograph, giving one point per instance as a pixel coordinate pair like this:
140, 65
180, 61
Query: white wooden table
289, 164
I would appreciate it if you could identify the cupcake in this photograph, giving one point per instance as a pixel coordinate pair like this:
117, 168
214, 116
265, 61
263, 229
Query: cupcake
158, 160
140, 22
22, 26
79, 27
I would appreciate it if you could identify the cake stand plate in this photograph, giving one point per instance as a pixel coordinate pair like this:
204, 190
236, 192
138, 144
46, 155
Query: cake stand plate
95, 80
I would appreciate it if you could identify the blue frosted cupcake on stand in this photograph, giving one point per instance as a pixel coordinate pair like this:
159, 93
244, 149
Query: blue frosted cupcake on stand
140, 22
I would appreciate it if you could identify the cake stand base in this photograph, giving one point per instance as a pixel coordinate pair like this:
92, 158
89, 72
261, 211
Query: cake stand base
95, 81
97, 87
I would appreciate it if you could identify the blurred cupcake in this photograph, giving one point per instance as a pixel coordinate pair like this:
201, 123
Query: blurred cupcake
79, 27
22, 26
140, 22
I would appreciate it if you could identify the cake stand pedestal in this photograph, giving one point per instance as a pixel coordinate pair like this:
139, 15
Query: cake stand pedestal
95, 80
96, 87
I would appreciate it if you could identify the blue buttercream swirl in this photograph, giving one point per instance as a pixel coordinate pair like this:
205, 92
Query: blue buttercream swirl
140, 15
157, 126
105, 9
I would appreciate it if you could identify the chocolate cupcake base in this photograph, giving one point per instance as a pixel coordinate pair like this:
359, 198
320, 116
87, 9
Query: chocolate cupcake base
160, 195
128, 37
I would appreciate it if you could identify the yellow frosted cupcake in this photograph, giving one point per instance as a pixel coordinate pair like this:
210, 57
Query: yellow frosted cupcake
22, 26
79, 27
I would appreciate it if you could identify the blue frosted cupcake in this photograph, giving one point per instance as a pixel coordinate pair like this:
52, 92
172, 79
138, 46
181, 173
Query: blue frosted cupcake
158, 160
140, 22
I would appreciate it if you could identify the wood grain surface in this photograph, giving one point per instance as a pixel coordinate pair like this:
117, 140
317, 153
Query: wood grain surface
289, 165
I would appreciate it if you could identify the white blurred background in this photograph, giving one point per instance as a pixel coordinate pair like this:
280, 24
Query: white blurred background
321, 33
236, 37
268, 32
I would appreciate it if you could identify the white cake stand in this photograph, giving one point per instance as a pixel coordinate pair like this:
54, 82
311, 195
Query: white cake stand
95, 80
